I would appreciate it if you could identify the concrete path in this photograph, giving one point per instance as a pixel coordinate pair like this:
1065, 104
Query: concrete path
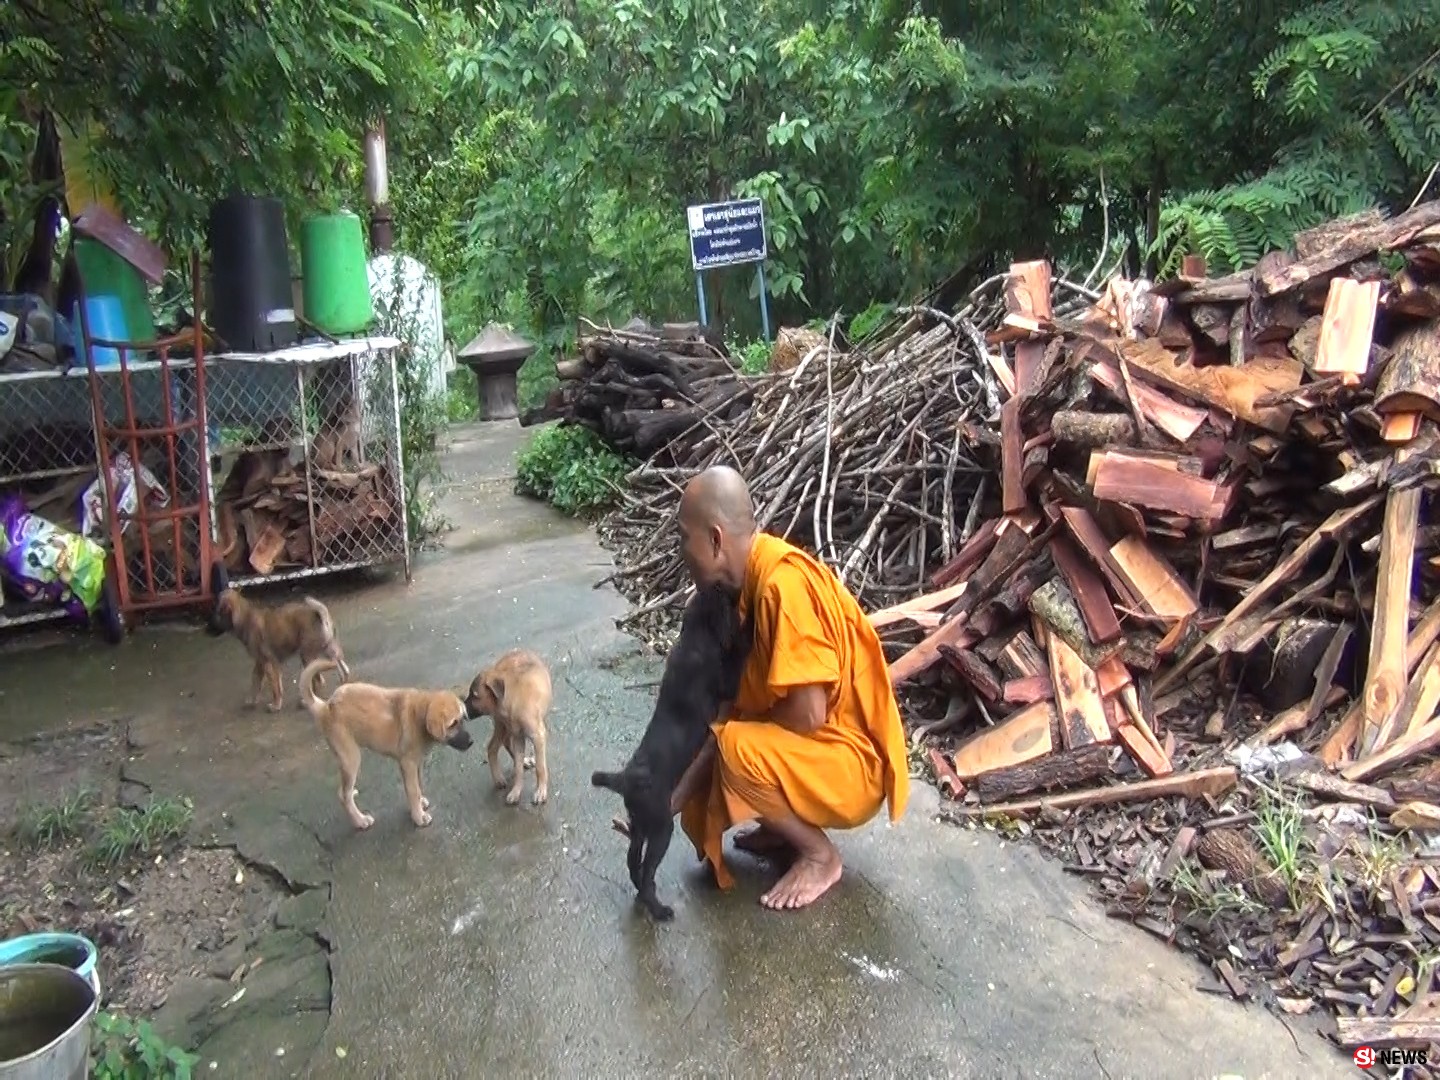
503, 942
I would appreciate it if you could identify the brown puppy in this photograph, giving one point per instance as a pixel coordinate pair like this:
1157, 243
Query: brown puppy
273, 635
403, 724
515, 690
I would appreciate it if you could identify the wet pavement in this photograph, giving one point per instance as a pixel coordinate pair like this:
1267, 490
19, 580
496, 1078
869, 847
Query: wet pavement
504, 942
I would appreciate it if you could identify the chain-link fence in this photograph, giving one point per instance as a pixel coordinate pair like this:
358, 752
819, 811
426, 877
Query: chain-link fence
305, 460
50, 454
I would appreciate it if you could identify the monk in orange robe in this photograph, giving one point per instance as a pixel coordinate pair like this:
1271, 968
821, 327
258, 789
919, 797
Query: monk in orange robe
813, 740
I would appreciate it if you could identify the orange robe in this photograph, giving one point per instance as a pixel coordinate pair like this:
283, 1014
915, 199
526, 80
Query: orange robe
808, 629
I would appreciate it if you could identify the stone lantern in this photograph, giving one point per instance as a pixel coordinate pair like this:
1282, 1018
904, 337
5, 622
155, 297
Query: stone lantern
495, 356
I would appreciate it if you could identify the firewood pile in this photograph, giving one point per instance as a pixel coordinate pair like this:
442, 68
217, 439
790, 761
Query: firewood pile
264, 513
643, 390
1213, 560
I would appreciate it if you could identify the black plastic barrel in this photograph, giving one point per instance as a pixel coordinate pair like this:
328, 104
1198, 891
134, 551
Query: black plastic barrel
251, 305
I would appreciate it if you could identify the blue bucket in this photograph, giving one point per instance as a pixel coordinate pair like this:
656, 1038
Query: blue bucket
105, 316
68, 950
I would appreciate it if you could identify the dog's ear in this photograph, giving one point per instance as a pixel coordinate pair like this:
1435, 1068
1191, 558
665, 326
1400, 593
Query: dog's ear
494, 684
439, 714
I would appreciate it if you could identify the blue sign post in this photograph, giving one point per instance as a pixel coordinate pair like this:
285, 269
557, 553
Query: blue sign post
728, 234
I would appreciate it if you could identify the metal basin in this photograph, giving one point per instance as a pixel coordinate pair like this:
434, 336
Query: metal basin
45, 1016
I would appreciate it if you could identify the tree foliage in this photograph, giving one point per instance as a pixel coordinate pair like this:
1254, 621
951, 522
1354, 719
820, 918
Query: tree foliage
543, 152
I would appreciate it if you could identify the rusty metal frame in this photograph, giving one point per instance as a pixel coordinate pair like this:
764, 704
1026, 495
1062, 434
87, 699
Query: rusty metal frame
172, 430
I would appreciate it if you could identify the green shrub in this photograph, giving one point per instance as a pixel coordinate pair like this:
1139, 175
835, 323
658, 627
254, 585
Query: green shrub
145, 831
754, 357
570, 468
122, 1049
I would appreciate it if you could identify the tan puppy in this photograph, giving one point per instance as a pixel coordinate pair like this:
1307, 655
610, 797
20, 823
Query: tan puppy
403, 724
515, 690
273, 635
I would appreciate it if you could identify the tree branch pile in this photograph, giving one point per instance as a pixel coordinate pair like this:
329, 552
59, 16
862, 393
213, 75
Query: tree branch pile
857, 456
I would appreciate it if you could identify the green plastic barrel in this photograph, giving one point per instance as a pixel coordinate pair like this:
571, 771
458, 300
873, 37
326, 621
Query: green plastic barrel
335, 284
104, 273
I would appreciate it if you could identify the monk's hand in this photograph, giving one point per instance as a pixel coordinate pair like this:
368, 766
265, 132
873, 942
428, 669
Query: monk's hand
802, 710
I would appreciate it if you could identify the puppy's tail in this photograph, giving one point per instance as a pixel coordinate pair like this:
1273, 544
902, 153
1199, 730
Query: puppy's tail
327, 625
618, 782
308, 698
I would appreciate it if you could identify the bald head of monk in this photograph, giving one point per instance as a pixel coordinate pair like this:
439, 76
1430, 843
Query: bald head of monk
717, 527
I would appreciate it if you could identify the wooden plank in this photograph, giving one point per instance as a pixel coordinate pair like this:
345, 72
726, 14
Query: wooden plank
1322, 783
1022, 737
1029, 359
1233, 390
1113, 676
1400, 427
1385, 671
1153, 579
1407, 747
1127, 713
1338, 744
1380, 1033
1422, 696
1088, 588
1347, 329
1027, 293
1178, 421
1027, 690
1336, 525
1157, 487
1077, 697
1192, 785
933, 601
1012, 457
1094, 543
971, 554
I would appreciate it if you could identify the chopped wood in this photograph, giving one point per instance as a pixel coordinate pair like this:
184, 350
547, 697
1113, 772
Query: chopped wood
1151, 579
1400, 427
1149, 484
1089, 430
1064, 768
1347, 328
974, 670
1019, 738
1012, 458
1355, 242
1077, 697
1385, 680
1417, 816
1232, 389
1383, 1033
1061, 615
1322, 783
1192, 785
1027, 690
1027, 296
1178, 421
1407, 747
935, 601
1088, 589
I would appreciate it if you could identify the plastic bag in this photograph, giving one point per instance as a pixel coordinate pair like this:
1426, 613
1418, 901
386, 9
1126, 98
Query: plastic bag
122, 479
43, 562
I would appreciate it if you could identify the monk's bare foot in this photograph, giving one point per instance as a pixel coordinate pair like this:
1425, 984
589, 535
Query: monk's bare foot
804, 883
763, 842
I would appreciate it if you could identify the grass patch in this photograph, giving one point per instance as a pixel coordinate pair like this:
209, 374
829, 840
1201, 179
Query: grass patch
572, 469
130, 832
535, 379
1280, 830
1205, 893
462, 396
52, 826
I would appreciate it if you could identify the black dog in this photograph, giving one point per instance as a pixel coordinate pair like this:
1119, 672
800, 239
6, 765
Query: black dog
702, 673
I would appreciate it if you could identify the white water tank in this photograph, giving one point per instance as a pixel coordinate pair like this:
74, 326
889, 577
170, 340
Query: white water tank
404, 283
